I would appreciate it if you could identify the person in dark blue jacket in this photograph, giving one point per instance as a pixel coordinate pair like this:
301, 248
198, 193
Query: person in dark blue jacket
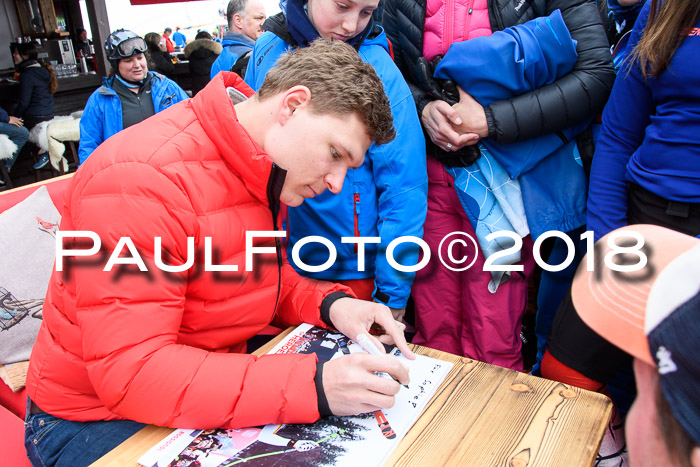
646, 169
387, 196
245, 20
37, 84
128, 97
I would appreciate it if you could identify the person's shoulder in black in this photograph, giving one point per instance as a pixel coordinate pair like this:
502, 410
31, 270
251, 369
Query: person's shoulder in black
158, 60
201, 53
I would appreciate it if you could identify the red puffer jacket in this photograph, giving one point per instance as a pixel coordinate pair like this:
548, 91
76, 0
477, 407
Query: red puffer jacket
155, 346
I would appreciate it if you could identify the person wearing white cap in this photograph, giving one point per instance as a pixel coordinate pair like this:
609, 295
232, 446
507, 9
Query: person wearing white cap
653, 313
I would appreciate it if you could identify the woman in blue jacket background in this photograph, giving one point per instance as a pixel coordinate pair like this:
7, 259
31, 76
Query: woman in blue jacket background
37, 84
387, 196
646, 168
129, 96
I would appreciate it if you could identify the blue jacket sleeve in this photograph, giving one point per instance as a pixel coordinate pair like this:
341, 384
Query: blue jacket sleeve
625, 119
401, 179
249, 77
91, 127
257, 62
572, 98
223, 62
4, 117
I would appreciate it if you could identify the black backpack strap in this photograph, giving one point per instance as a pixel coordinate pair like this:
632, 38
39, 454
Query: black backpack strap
242, 64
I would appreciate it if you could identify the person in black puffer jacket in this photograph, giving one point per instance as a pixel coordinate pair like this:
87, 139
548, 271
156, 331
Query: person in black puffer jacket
455, 311
202, 52
37, 84
158, 60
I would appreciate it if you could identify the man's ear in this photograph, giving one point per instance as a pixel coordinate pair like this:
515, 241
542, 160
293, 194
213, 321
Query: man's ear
294, 98
695, 457
238, 20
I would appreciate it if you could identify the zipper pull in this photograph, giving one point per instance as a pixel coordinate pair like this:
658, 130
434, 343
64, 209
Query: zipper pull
356, 206
470, 10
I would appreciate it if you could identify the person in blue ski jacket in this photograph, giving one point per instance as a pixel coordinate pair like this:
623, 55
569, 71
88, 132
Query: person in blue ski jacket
123, 99
387, 196
245, 20
179, 38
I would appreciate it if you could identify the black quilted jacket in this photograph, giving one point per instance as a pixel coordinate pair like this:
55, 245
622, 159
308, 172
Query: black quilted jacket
571, 99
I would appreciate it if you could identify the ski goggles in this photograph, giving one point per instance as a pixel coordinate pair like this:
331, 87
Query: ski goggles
133, 46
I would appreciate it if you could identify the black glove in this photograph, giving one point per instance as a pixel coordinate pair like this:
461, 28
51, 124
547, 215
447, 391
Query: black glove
460, 158
445, 90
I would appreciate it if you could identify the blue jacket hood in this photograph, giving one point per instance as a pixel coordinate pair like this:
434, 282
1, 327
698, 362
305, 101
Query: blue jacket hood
234, 38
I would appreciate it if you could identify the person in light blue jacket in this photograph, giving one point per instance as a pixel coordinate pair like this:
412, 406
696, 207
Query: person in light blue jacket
387, 196
128, 97
245, 20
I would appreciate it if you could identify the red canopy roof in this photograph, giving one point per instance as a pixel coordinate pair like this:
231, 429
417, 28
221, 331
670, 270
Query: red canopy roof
153, 2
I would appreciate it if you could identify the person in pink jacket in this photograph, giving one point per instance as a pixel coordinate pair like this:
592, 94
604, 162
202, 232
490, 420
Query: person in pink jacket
158, 338
459, 308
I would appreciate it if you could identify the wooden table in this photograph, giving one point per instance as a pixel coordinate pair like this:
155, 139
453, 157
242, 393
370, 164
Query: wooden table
482, 415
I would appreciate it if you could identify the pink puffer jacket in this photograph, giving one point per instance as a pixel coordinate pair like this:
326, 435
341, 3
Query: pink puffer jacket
449, 21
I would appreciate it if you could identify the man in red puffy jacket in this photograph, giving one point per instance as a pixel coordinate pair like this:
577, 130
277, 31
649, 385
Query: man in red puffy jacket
155, 334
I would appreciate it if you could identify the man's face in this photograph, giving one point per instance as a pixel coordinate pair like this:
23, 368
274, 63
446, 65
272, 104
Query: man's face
253, 18
316, 151
83, 36
341, 19
16, 57
645, 444
133, 68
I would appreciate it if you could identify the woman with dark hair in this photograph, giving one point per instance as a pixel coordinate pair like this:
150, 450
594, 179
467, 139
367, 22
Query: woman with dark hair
37, 84
202, 52
158, 60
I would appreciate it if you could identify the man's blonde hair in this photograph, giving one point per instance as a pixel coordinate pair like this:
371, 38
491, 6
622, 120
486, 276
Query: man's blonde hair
340, 84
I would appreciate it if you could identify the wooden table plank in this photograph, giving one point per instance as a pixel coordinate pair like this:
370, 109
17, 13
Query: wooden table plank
127, 453
481, 415
524, 420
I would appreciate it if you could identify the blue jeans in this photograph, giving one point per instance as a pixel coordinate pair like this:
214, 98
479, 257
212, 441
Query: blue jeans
18, 135
51, 440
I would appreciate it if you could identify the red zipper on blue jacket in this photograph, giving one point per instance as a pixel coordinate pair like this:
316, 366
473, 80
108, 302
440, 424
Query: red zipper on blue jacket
356, 210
